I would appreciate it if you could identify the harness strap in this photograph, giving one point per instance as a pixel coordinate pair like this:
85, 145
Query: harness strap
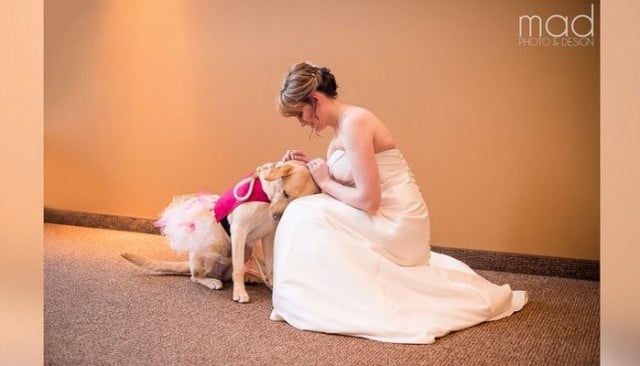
225, 225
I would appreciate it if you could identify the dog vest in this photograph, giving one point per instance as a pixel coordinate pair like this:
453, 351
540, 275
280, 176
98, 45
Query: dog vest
227, 202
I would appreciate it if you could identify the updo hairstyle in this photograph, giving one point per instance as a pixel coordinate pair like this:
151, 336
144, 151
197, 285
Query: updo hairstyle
301, 80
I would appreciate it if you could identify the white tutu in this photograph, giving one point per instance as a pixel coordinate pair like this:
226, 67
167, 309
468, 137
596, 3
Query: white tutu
189, 224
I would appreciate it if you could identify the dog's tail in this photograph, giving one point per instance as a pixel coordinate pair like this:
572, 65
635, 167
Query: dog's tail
157, 267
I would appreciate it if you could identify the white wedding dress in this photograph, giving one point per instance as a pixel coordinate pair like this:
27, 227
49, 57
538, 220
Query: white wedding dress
340, 270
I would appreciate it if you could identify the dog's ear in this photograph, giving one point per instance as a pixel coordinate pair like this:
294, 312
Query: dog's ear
279, 172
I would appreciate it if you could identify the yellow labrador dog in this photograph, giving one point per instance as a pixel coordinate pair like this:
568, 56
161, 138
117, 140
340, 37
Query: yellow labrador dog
217, 231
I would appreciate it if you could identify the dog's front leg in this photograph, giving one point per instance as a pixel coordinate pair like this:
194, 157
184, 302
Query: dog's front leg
238, 242
267, 251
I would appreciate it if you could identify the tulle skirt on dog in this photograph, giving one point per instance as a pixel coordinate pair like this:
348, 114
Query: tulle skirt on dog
189, 224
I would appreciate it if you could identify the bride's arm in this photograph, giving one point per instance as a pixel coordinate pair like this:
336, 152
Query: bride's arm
357, 139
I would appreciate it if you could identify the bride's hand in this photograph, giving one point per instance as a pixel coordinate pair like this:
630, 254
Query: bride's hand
296, 155
319, 171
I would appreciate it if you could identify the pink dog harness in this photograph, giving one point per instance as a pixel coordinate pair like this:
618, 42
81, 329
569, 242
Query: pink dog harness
248, 190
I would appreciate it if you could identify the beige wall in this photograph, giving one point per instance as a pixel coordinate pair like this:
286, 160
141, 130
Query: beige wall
148, 99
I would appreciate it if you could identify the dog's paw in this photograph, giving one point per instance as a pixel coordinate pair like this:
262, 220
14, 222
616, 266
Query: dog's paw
240, 296
212, 283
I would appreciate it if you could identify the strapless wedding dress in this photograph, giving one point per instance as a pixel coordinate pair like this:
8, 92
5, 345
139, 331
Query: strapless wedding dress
340, 270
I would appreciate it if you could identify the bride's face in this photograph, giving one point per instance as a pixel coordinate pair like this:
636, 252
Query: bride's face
309, 117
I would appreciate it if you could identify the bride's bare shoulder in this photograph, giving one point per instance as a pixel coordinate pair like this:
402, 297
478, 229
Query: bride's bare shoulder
363, 122
360, 113
360, 117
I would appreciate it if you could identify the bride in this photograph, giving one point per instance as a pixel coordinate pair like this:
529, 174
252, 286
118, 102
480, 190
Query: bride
356, 259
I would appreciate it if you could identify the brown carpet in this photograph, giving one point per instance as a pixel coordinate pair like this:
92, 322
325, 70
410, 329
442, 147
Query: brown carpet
100, 310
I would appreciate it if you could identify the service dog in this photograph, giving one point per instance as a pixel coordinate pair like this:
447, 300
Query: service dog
217, 232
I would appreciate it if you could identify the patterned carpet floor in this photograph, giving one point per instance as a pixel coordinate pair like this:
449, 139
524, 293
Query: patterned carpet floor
101, 310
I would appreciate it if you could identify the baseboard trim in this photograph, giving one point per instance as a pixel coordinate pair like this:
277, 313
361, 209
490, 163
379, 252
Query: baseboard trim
101, 221
583, 269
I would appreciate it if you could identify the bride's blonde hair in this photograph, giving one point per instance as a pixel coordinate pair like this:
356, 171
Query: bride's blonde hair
301, 80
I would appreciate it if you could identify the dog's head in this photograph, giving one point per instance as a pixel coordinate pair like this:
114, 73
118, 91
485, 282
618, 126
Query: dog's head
295, 179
